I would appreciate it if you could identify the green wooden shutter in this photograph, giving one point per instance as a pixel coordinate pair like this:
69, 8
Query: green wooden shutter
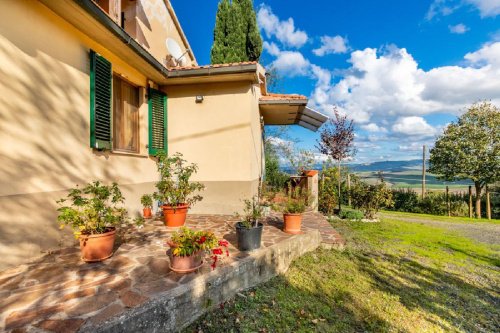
157, 121
101, 78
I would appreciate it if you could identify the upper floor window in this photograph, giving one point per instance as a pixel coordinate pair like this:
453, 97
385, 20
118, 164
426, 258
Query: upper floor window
125, 116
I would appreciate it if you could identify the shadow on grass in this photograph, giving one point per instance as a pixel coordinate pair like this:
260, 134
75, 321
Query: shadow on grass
387, 293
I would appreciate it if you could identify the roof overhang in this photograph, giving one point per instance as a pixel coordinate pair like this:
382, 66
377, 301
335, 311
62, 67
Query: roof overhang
215, 73
87, 17
292, 111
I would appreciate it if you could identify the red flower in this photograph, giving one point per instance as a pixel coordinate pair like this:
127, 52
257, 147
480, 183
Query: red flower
201, 240
223, 242
217, 251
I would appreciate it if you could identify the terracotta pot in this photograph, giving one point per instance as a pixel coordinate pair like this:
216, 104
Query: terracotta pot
310, 173
292, 223
185, 264
175, 216
97, 247
146, 211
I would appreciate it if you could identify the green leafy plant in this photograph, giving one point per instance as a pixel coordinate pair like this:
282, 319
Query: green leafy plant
296, 201
93, 209
147, 201
370, 198
174, 187
252, 212
187, 242
349, 214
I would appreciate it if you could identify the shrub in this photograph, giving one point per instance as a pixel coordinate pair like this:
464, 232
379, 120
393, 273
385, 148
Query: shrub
349, 214
252, 212
405, 200
94, 209
370, 198
174, 187
147, 201
296, 201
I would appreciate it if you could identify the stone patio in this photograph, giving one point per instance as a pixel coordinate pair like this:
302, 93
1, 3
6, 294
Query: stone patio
135, 290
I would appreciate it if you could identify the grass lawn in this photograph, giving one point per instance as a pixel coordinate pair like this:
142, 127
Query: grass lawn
441, 218
394, 276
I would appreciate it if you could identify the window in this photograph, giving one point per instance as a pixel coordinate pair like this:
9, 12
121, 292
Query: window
114, 112
125, 116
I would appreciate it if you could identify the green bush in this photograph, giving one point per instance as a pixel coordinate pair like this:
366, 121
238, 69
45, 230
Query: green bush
405, 200
371, 198
349, 214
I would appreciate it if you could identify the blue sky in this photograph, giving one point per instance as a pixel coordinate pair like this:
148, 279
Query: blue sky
401, 69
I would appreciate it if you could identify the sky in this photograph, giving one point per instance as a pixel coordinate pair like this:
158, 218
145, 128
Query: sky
401, 69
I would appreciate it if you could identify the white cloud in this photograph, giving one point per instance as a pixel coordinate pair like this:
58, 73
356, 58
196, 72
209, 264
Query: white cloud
271, 48
486, 8
284, 31
389, 84
332, 45
458, 29
413, 126
291, 63
372, 127
411, 147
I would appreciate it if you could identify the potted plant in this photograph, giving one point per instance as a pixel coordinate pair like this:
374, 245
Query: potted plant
147, 204
249, 229
94, 212
293, 206
188, 247
174, 189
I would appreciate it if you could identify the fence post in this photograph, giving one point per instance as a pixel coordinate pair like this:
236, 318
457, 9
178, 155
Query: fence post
488, 203
470, 201
349, 189
448, 200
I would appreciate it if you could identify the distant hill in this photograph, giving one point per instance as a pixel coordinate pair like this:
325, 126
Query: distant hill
389, 166
403, 174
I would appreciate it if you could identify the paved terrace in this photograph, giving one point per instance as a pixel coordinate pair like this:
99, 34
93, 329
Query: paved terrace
135, 290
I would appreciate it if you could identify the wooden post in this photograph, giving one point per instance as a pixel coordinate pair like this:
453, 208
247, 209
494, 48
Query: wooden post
423, 172
488, 204
448, 200
349, 189
470, 201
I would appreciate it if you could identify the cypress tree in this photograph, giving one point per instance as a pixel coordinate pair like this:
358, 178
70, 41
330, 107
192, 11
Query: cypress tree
236, 34
218, 53
253, 41
235, 38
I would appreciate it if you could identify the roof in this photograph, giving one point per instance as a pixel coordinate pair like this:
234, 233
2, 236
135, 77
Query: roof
290, 109
233, 64
281, 97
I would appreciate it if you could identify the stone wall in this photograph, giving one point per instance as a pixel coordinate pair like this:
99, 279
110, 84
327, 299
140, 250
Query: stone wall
178, 307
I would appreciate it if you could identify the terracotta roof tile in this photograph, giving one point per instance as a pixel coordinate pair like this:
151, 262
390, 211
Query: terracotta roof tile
213, 66
274, 97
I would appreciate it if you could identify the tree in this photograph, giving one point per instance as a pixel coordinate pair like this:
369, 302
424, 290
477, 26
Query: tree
253, 41
336, 140
218, 52
236, 35
470, 149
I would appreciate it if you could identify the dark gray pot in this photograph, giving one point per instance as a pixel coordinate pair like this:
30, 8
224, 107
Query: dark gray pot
248, 239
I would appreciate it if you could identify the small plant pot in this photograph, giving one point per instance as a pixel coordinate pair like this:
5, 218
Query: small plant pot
293, 223
175, 216
185, 264
97, 247
146, 212
248, 239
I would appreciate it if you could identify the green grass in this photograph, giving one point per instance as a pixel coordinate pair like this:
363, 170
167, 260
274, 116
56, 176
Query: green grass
393, 277
442, 218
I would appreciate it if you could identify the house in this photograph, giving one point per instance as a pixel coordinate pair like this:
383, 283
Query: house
93, 89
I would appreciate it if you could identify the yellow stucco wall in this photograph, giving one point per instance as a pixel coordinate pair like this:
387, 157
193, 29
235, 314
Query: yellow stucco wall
154, 26
44, 132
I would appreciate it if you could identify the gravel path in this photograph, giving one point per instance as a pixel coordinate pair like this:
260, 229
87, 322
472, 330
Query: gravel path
481, 232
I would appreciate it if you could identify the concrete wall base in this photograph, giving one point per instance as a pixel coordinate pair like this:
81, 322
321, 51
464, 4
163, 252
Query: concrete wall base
179, 307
